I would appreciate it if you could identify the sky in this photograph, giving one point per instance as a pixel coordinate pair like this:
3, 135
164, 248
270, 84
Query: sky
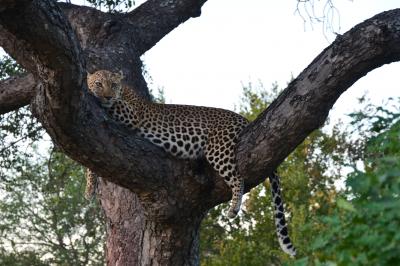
206, 60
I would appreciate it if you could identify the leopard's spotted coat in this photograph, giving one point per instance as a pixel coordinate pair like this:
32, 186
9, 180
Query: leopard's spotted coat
184, 131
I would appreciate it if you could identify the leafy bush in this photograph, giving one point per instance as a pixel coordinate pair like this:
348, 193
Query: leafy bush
364, 230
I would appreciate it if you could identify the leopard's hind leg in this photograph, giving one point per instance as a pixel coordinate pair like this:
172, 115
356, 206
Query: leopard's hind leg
237, 186
91, 184
220, 153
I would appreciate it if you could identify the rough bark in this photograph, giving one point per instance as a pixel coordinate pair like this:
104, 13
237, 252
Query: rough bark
16, 92
305, 104
151, 242
56, 43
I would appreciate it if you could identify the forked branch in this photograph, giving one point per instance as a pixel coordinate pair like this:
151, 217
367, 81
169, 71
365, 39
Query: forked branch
304, 105
42, 40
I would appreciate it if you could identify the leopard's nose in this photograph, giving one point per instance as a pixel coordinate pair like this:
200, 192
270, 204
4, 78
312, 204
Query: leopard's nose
108, 97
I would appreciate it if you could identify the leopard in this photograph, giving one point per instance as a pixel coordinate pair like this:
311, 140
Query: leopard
186, 132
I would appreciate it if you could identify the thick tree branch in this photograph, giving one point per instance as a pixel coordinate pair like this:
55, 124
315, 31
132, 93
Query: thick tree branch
49, 46
304, 105
39, 36
156, 18
71, 116
106, 41
151, 21
16, 92
170, 192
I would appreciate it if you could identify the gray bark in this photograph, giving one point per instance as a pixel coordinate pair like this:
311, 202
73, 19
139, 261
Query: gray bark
154, 240
16, 92
154, 220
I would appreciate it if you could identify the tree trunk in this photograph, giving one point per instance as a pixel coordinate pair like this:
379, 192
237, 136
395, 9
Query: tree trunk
135, 237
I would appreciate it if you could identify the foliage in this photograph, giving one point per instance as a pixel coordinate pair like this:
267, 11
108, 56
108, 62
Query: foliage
18, 129
20, 259
364, 229
44, 220
9, 68
308, 177
42, 212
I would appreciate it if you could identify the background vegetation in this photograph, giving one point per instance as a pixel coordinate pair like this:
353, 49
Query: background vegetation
44, 218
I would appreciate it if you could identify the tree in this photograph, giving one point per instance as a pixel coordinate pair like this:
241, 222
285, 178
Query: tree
153, 216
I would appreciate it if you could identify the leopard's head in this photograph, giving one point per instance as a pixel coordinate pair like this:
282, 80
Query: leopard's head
106, 86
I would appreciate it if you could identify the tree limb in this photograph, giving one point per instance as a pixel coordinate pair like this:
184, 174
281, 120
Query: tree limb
146, 24
156, 18
16, 92
71, 116
41, 39
304, 105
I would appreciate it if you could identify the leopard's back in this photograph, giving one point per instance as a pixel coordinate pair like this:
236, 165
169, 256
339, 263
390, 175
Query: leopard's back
189, 131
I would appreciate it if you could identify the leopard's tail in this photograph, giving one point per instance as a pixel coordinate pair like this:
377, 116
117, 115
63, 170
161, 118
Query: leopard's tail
279, 214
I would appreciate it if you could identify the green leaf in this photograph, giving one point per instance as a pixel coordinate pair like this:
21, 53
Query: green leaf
345, 205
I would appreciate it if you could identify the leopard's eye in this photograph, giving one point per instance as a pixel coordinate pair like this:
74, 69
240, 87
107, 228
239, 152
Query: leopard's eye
98, 84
